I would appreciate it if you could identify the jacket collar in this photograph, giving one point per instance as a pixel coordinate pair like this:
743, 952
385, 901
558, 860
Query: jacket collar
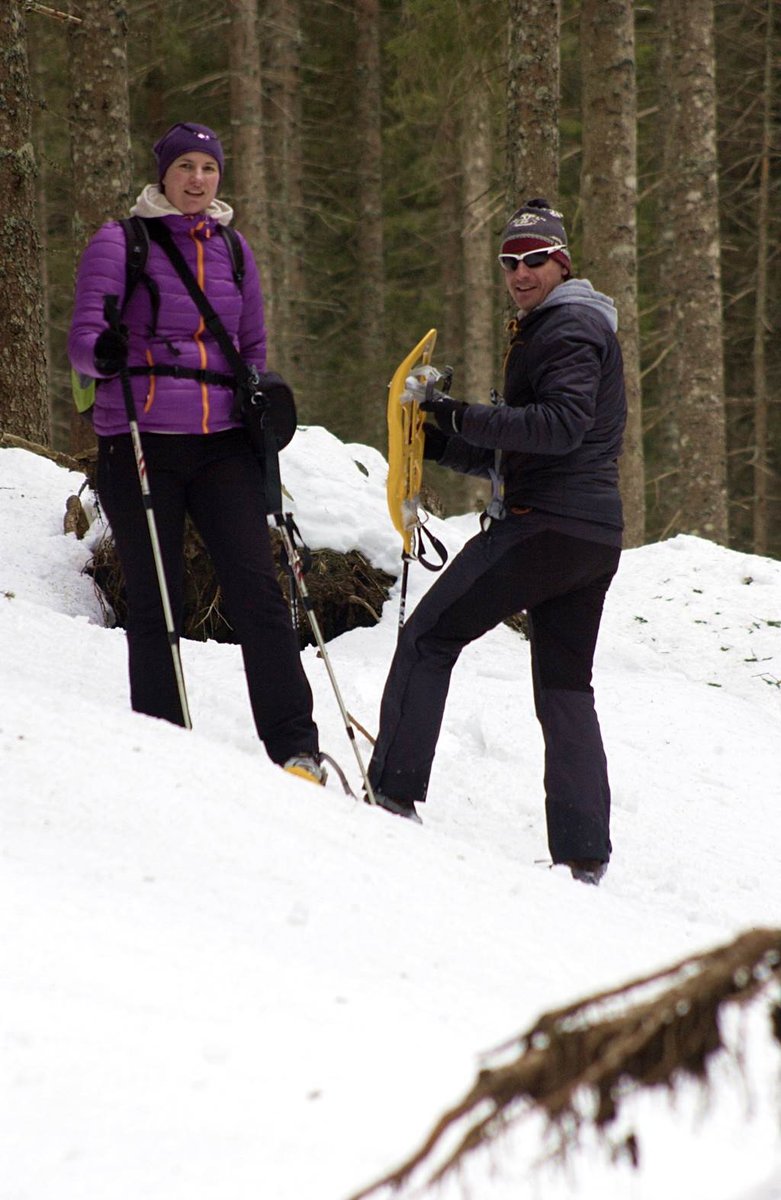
153, 203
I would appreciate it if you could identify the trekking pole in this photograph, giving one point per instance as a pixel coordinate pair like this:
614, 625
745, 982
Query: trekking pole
283, 522
111, 313
258, 418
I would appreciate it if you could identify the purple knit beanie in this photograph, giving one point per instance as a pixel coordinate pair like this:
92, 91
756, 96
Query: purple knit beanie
184, 138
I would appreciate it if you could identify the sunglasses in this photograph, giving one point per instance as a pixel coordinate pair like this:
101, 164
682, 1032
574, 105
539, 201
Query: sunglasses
532, 258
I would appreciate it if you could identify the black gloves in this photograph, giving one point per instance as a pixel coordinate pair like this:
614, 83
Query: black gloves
435, 443
448, 413
110, 353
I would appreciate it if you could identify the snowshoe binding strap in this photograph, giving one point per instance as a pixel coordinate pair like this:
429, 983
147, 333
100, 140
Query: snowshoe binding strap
422, 534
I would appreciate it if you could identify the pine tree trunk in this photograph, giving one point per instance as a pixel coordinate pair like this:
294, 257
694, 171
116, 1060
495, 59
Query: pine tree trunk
696, 272
248, 163
761, 321
101, 163
369, 232
533, 100
451, 341
666, 481
281, 73
476, 237
38, 50
24, 408
609, 198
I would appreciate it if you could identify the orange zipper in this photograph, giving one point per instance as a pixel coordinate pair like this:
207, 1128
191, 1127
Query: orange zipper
198, 335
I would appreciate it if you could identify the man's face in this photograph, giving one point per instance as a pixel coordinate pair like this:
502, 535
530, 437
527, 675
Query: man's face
529, 286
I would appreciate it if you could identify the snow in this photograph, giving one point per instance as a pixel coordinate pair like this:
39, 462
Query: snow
218, 980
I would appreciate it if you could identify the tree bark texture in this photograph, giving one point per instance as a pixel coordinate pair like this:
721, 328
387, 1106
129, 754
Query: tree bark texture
101, 160
761, 319
698, 326
609, 205
476, 240
24, 404
533, 101
369, 238
451, 340
248, 160
282, 76
666, 475
99, 115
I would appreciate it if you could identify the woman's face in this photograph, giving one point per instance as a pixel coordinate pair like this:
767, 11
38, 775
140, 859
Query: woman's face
191, 182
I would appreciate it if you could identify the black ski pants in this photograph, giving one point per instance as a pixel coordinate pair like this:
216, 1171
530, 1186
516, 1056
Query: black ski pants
218, 481
561, 582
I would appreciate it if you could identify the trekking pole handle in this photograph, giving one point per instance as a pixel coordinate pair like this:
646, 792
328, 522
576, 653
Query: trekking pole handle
111, 311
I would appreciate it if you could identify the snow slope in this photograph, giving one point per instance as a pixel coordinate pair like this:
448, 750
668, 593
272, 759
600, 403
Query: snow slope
218, 980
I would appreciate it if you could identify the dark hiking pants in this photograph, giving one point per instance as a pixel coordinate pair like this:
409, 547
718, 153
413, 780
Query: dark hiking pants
217, 480
561, 581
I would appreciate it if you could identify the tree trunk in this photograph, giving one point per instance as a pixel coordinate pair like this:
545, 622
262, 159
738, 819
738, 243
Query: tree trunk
609, 198
451, 341
101, 162
761, 321
369, 232
476, 238
39, 47
24, 408
533, 101
282, 72
248, 163
666, 475
696, 270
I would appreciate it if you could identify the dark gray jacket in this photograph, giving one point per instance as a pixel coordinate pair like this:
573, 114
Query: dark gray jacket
561, 426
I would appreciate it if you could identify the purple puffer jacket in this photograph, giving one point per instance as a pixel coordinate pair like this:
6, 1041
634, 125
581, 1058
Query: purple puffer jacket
165, 404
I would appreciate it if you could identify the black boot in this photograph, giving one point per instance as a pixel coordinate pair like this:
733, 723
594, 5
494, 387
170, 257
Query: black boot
401, 808
587, 870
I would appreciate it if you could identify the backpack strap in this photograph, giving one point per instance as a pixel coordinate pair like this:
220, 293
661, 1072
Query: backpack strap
137, 248
161, 235
235, 252
199, 374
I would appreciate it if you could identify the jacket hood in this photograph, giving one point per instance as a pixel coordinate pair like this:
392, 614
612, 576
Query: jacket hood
580, 291
153, 203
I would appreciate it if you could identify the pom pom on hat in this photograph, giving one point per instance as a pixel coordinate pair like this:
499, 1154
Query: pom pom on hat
184, 138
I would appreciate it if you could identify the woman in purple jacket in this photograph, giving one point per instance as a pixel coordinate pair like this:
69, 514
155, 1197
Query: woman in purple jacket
198, 456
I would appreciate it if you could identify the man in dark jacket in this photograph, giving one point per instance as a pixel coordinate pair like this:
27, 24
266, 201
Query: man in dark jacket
549, 545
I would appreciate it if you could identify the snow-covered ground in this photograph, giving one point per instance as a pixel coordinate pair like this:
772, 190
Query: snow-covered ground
219, 981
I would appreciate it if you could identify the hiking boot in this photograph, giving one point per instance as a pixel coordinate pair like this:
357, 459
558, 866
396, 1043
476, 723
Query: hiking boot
587, 870
400, 808
307, 766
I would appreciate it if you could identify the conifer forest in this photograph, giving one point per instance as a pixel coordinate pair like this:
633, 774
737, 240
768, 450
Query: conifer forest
374, 150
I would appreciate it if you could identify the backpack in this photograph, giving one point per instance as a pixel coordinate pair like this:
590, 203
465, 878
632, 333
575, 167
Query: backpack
137, 242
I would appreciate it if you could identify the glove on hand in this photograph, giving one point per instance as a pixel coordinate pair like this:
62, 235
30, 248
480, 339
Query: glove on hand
110, 353
447, 413
435, 442
415, 385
